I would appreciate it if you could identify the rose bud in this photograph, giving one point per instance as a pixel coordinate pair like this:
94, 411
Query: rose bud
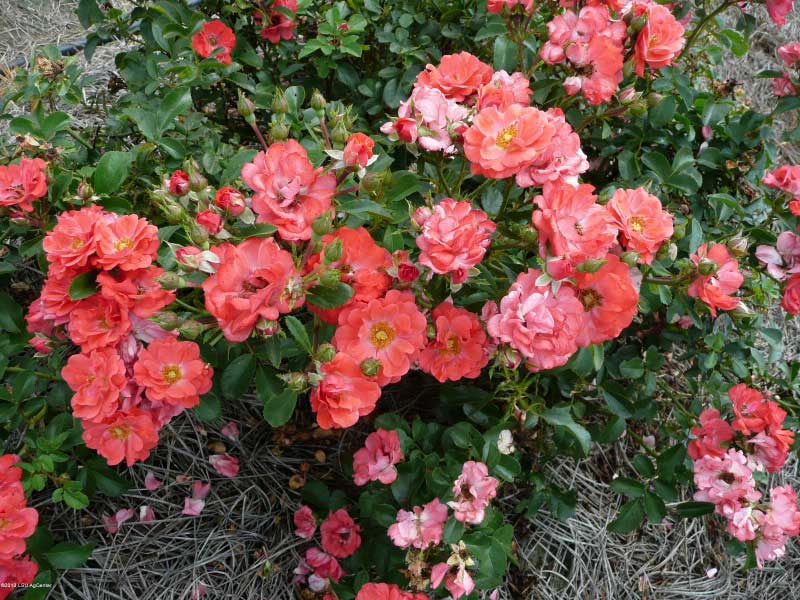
210, 221
231, 200
358, 150
179, 183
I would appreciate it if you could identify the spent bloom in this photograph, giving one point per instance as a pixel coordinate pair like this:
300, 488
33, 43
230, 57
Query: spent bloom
305, 524
419, 528
340, 534
377, 459
472, 491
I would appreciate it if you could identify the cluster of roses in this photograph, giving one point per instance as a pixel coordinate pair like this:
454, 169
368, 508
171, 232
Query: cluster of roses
125, 392
419, 531
783, 260
217, 39
17, 522
22, 183
593, 41
727, 454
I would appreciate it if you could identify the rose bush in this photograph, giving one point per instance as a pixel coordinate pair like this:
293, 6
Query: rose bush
552, 219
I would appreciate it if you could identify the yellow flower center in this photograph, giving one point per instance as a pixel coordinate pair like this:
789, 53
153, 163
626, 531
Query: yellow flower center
77, 243
452, 346
637, 223
171, 373
590, 298
4, 523
381, 335
506, 136
123, 244
120, 432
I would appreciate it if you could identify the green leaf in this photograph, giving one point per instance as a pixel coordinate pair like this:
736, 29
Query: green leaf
628, 487
210, 408
662, 113
69, 556
690, 510
174, 104
632, 368
10, 315
453, 531
112, 171
75, 499
83, 286
654, 507
326, 297
630, 517
279, 402
278, 409
237, 376
562, 416
505, 54
299, 333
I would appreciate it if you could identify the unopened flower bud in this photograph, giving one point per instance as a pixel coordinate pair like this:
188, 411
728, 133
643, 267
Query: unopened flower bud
246, 108
279, 131
591, 265
318, 103
333, 251
297, 382
742, 312
508, 357
738, 245
85, 191
636, 25
330, 277
707, 267
653, 98
191, 329
630, 258
197, 182
198, 234
340, 134
166, 320
323, 224
375, 182
430, 331
628, 95
279, 103
679, 231
325, 352
370, 367
267, 328
170, 280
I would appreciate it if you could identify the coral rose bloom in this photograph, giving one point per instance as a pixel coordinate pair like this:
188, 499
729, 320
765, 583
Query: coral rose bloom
791, 295
390, 329
715, 290
281, 27
344, 394
642, 222
71, 243
458, 76
572, 226
496, 6
454, 238
98, 322
358, 150
289, 192
126, 242
541, 324
377, 459
213, 36
459, 349
609, 301
21, 184
173, 372
138, 290
386, 591
255, 280
504, 90
340, 534
499, 143
97, 378
660, 40
16, 523
16, 572
710, 435
362, 265
563, 162
127, 435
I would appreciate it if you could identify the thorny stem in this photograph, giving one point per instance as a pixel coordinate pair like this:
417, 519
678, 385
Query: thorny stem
259, 135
